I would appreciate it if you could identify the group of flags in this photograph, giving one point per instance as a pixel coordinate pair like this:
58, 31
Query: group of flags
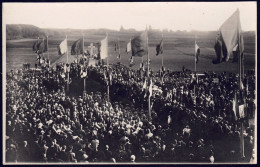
40, 47
77, 48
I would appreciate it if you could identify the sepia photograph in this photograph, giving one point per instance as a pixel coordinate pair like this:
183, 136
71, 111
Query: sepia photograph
129, 83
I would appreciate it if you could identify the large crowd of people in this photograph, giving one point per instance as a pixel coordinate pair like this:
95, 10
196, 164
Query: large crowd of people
192, 117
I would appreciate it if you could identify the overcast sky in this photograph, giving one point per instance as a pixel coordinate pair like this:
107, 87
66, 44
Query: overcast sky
172, 15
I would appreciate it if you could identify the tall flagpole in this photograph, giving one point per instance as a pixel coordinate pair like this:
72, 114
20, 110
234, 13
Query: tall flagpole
67, 50
162, 49
149, 102
195, 55
242, 126
43, 48
108, 76
48, 48
66, 66
84, 92
119, 51
48, 56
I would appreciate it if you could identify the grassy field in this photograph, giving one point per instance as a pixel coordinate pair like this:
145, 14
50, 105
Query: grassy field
178, 52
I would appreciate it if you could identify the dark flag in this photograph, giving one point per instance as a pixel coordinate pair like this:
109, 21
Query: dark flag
159, 48
40, 46
119, 56
116, 47
35, 48
197, 51
139, 45
77, 47
229, 37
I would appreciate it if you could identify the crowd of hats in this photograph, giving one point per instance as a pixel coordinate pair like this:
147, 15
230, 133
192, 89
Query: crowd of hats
45, 125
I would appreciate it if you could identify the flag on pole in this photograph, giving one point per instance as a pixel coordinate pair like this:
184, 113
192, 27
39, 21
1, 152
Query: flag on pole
41, 47
230, 35
242, 111
110, 78
151, 88
139, 45
144, 85
197, 51
35, 46
105, 76
77, 47
62, 48
131, 61
159, 48
128, 47
235, 106
103, 47
241, 85
116, 47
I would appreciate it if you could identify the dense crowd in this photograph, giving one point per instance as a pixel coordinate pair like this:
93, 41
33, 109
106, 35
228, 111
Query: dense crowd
192, 119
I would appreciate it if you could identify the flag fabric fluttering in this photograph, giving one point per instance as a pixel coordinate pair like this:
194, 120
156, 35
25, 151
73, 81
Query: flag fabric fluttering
40, 46
144, 85
77, 47
151, 88
242, 111
128, 47
229, 37
35, 46
235, 106
159, 48
197, 51
103, 48
62, 48
139, 45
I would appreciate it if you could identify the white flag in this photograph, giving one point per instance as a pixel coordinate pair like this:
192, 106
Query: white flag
234, 107
63, 47
151, 88
103, 48
128, 48
144, 85
242, 111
